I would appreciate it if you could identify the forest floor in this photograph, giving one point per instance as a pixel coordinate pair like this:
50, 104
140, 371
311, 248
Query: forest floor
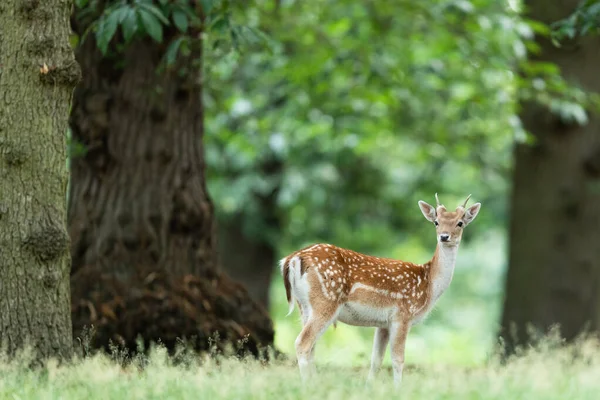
549, 372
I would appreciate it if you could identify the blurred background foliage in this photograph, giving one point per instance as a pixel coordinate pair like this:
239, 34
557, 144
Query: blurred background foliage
347, 113
370, 107
363, 131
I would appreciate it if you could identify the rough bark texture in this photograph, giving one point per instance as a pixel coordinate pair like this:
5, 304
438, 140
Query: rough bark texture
554, 267
140, 218
37, 75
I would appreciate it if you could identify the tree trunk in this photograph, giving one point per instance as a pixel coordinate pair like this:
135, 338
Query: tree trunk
37, 75
554, 264
141, 220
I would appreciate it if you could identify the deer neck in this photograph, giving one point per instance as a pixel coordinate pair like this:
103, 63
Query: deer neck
442, 269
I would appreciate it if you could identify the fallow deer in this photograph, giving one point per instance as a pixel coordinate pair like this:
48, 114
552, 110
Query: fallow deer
333, 284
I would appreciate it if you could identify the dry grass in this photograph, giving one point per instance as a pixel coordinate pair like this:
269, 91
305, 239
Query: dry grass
548, 372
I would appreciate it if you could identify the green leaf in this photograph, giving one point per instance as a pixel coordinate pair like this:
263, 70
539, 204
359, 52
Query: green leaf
220, 24
180, 20
121, 13
593, 10
156, 12
173, 50
107, 26
191, 13
151, 25
129, 24
207, 5
587, 27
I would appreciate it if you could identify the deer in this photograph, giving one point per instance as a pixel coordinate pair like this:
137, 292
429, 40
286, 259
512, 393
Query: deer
331, 284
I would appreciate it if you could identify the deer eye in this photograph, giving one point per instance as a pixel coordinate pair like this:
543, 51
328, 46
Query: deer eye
460, 223
436, 223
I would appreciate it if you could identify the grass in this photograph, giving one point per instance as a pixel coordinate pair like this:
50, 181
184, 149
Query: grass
548, 372
449, 356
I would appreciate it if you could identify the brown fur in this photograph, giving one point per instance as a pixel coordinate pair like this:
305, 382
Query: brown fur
365, 290
340, 269
286, 281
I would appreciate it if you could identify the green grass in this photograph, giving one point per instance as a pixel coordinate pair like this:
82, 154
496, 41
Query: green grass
449, 356
547, 373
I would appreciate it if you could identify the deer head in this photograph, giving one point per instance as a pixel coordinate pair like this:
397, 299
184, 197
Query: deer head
449, 225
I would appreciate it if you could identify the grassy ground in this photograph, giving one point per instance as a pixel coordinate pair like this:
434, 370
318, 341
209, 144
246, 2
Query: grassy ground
450, 356
566, 373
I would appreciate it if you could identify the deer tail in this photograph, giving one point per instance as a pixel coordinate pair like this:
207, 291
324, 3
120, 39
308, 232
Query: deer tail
290, 269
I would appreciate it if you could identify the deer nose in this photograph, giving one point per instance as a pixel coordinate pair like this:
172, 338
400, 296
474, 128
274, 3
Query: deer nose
444, 237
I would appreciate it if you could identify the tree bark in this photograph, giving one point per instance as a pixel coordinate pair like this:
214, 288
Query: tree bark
554, 263
138, 195
37, 75
144, 249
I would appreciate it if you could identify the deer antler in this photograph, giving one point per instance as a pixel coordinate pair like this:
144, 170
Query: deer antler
465, 203
437, 201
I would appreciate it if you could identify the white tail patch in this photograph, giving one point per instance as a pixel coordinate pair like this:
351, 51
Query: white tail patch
294, 271
282, 264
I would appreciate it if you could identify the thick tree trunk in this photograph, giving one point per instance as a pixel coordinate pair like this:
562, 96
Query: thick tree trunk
141, 220
138, 196
554, 267
37, 75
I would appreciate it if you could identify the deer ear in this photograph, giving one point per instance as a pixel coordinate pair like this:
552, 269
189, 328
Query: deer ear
471, 213
427, 210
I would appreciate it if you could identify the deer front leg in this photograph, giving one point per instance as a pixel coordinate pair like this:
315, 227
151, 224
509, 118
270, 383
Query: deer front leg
399, 332
380, 342
314, 327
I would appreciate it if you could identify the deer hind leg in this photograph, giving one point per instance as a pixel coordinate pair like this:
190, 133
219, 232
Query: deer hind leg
303, 313
314, 327
399, 332
380, 342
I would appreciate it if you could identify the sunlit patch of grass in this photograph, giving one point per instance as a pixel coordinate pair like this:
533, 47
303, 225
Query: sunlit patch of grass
547, 372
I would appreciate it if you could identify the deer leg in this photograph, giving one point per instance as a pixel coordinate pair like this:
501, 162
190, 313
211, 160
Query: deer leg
380, 342
399, 332
314, 327
304, 314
